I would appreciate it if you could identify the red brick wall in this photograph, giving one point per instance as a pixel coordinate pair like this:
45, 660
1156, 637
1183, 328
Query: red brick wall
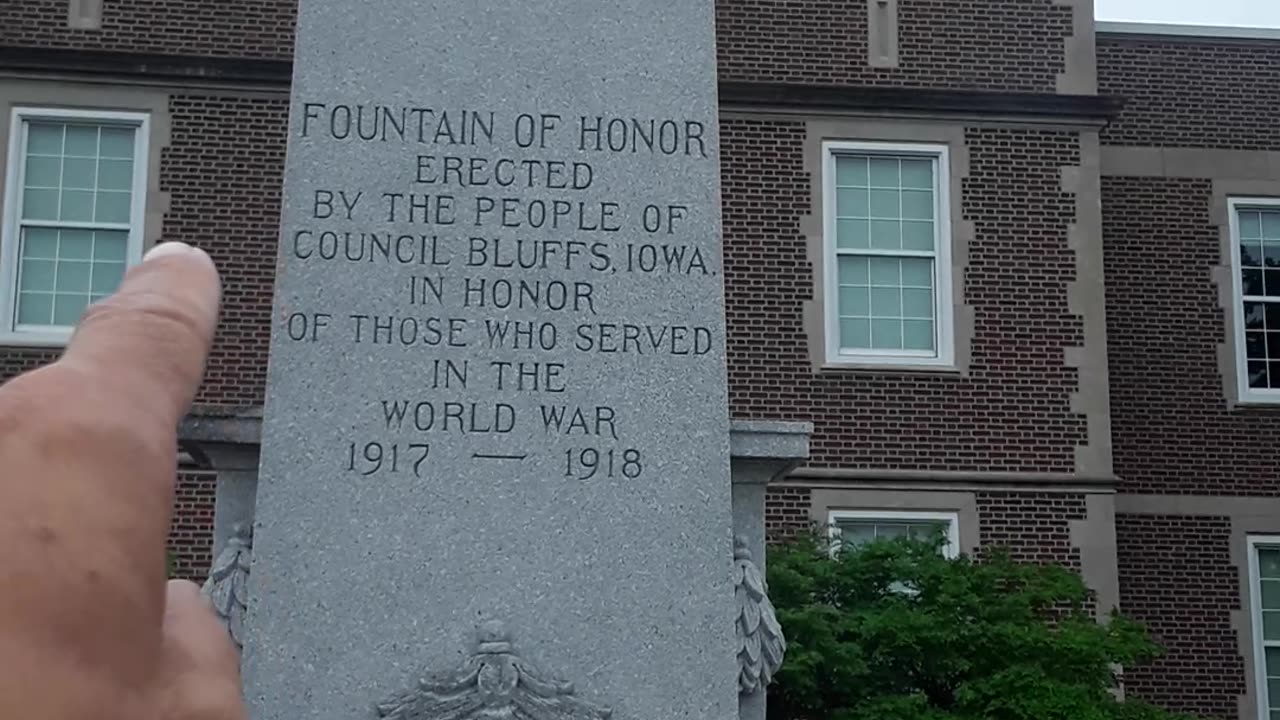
1177, 578
1180, 93
15, 361
1032, 526
191, 537
228, 28
1008, 45
223, 171
1171, 428
1011, 413
786, 512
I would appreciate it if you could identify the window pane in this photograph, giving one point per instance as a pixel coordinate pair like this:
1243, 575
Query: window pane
1250, 224
853, 235
1273, 696
885, 272
884, 172
853, 270
40, 243
917, 174
1251, 253
885, 204
36, 275
1252, 281
856, 533
67, 308
42, 172
115, 174
855, 302
1269, 565
851, 171
890, 531
1271, 253
118, 142
917, 235
1255, 314
1271, 224
917, 272
77, 205
106, 277
1271, 624
1271, 282
1257, 374
886, 334
79, 173
82, 141
110, 245
40, 204
886, 234
855, 333
73, 276
917, 335
917, 303
1273, 661
886, 302
851, 202
75, 244
112, 207
35, 308
1255, 345
917, 204
44, 138
1271, 598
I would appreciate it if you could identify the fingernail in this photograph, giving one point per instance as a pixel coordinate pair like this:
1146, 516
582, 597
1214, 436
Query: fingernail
167, 248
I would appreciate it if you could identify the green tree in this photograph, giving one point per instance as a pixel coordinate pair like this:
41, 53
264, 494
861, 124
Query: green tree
895, 631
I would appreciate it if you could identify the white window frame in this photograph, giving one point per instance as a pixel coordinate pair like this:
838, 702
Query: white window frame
52, 335
1245, 393
952, 519
1255, 607
944, 311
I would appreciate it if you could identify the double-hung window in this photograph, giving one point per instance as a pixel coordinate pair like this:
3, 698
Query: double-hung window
858, 527
1264, 591
75, 192
1255, 250
887, 254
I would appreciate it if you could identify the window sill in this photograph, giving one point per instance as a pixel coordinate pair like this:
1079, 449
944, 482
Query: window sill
34, 340
890, 367
1255, 402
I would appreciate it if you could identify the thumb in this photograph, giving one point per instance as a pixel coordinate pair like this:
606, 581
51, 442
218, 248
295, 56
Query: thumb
200, 661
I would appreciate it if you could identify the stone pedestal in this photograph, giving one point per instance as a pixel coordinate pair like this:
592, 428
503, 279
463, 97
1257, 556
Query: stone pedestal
760, 452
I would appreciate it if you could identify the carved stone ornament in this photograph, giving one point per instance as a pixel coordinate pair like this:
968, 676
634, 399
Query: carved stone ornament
493, 683
760, 641
228, 582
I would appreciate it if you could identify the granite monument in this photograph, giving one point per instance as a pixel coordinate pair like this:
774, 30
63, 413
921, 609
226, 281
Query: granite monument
495, 473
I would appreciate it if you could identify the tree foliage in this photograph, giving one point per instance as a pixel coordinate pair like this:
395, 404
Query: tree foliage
895, 631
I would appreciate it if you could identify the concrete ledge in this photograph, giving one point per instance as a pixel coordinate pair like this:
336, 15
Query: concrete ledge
230, 425
769, 440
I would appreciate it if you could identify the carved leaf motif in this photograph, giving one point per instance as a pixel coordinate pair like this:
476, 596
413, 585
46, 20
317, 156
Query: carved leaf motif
228, 584
493, 683
761, 645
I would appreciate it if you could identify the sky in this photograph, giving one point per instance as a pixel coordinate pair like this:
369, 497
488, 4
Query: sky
1241, 13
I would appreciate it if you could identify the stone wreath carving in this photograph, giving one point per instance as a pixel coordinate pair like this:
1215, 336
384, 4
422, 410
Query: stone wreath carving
493, 683
228, 583
760, 641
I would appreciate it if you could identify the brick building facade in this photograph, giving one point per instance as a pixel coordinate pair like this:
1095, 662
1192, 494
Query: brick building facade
991, 250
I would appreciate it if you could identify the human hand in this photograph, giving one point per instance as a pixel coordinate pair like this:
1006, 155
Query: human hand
88, 626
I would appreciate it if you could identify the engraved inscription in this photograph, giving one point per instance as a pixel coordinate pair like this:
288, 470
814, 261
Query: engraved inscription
503, 248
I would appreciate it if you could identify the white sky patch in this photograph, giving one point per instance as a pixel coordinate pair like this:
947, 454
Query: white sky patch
1237, 13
